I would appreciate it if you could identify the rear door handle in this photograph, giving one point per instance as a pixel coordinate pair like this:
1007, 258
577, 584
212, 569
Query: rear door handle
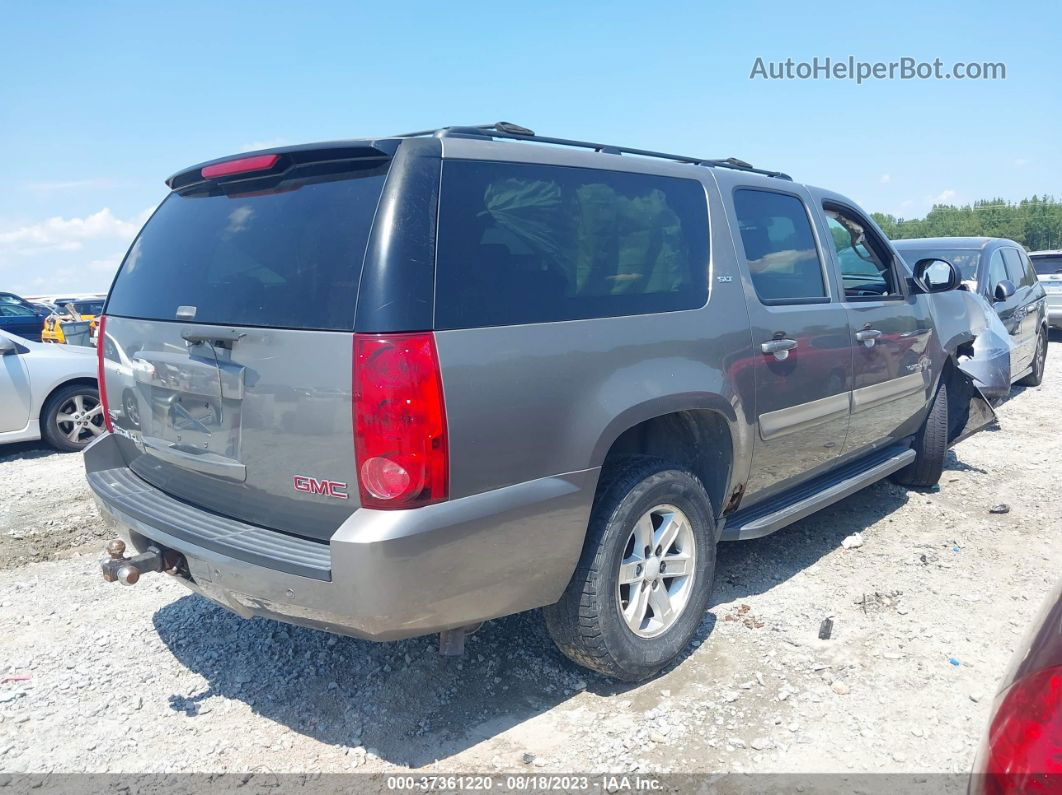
779, 347
868, 336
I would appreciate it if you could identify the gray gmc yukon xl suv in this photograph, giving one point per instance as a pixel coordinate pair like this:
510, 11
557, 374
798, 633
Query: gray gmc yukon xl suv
401, 386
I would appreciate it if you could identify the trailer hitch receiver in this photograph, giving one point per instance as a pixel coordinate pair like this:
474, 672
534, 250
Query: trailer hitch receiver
127, 571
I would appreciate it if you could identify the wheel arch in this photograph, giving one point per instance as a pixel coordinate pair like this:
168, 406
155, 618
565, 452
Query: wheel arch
701, 435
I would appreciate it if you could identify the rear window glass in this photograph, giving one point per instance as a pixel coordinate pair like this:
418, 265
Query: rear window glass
1047, 266
521, 243
290, 257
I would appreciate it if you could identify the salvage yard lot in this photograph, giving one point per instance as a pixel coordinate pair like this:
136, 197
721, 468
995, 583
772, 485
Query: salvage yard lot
926, 611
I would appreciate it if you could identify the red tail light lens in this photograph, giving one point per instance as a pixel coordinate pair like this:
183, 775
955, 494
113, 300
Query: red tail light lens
399, 421
101, 373
242, 166
1024, 744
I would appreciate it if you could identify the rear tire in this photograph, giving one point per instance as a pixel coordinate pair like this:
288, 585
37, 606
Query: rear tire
931, 446
621, 615
1036, 377
72, 417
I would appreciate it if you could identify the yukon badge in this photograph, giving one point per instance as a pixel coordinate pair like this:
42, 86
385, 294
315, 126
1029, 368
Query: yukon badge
330, 488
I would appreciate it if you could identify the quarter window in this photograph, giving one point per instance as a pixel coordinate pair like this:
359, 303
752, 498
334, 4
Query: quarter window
521, 243
779, 245
864, 272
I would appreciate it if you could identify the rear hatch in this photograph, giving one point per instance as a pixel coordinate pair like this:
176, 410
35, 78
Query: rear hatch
228, 340
1049, 271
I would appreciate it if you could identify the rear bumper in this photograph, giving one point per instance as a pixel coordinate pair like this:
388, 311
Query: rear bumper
385, 574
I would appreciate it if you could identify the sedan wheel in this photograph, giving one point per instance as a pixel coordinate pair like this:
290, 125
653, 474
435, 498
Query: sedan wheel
72, 417
80, 418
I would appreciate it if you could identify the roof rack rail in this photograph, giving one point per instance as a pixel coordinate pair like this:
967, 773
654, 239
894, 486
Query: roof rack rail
515, 132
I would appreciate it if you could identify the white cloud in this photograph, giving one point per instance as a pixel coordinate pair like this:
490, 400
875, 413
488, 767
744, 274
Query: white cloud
944, 197
1021, 162
69, 234
885, 179
269, 143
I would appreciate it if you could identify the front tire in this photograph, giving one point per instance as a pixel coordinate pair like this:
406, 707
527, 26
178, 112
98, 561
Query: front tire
645, 575
931, 446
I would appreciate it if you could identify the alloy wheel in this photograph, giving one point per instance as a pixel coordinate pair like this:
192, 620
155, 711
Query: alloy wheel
80, 418
657, 571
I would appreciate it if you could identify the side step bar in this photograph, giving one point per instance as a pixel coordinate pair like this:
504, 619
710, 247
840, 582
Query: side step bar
774, 514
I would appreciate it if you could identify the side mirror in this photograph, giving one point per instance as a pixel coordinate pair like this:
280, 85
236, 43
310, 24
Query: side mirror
1004, 290
7, 346
936, 275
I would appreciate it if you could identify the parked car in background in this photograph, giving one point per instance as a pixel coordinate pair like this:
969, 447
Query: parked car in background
1022, 748
21, 320
1000, 271
401, 386
1048, 266
49, 392
19, 316
82, 310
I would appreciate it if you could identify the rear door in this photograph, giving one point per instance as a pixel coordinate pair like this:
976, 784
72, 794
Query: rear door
803, 344
1028, 298
1009, 310
228, 345
889, 333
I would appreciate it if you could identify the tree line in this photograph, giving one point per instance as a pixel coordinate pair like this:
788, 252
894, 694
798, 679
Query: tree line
1035, 222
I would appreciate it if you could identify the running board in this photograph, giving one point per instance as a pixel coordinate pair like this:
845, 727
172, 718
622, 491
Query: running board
765, 518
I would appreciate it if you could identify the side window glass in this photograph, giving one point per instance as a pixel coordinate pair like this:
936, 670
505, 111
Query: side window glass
1015, 271
779, 245
997, 271
522, 243
864, 273
14, 310
1030, 278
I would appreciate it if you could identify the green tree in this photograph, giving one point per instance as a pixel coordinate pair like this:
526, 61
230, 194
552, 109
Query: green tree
1035, 222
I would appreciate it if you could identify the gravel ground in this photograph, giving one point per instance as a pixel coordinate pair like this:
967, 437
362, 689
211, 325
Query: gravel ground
927, 611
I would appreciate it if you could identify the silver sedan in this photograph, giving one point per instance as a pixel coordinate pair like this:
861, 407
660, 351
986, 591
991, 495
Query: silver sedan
49, 392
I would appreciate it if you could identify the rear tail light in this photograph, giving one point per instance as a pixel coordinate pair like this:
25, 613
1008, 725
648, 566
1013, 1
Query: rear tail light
243, 165
399, 421
101, 373
1023, 750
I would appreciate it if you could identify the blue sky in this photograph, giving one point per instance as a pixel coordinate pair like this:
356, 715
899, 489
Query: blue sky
100, 102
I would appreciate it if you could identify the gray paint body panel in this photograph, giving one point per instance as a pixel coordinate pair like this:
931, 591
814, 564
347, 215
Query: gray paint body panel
532, 411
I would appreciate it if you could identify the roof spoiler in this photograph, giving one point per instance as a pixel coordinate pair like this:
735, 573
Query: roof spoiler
281, 160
